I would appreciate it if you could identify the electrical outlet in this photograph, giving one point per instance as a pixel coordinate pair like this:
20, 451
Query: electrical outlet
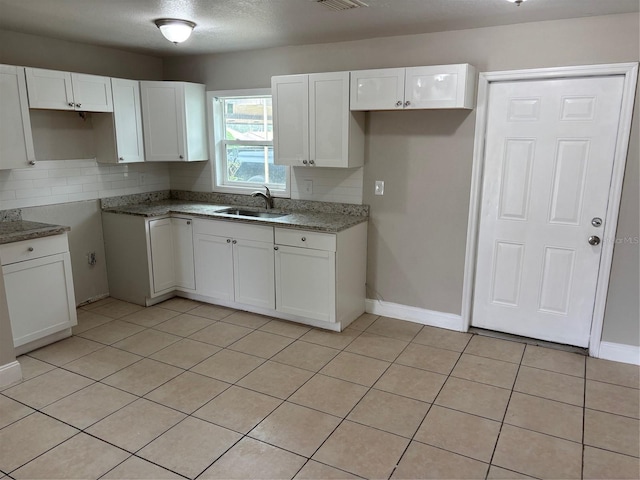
379, 188
307, 187
142, 178
91, 258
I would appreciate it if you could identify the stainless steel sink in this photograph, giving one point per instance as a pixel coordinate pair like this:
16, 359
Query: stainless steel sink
250, 213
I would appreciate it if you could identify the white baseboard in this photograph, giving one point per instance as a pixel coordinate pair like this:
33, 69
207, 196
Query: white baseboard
10, 373
415, 314
619, 352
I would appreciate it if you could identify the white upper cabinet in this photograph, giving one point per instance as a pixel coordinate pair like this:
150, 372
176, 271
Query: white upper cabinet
119, 137
16, 141
173, 115
313, 125
440, 86
52, 89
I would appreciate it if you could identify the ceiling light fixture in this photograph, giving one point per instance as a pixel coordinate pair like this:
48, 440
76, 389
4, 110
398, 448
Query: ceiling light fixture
176, 31
517, 2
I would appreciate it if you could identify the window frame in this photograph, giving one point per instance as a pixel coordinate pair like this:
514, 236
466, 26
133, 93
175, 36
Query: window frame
217, 137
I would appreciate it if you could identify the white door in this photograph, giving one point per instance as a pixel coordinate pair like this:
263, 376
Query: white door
548, 163
253, 272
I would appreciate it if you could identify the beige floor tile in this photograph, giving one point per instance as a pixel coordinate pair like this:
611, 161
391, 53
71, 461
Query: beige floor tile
554, 386
475, 398
442, 338
247, 319
228, 366
617, 373
275, 379
190, 447
146, 342
498, 473
329, 395
47, 388
330, 339
425, 461
29, 437
261, 344
187, 392
254, 459
135, 425
355, 368
238, 409
411, 382
429, 358
221, 334
11, 411
394, 328
486, 370
295, 428
306, 355
495, 348
554, 360
32, 367
135, 468
537, 455
545, 416
389, 412
613, 399
88, 320
459, 432
102, 363
212, 312
111, 332
286, 329
363, 322
376, 346
116, 309
65, 351
362, 450
142, 377
313, 470
79, 457
150, 316
599, 464
186, 353
612, 432
178, 304
184, 325
89, 405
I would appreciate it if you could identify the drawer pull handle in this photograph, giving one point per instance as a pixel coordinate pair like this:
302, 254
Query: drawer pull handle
30, 249
304, 239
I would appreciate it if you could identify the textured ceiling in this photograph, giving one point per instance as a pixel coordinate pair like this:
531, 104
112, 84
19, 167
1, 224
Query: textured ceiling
231, 25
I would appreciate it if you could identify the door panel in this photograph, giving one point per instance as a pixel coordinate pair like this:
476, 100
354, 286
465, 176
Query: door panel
214, 268
254, 273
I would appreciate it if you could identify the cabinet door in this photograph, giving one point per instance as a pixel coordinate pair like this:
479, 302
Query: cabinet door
214, 268
442, 86
290, 95
182, 231
329, 119
381, 89
92, 93
49, 89
127, 118
253, 269
162, 256
16, 141
306, 283
163, 120
40, 297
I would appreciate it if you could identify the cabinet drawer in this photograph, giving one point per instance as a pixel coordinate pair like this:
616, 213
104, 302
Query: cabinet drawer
306, 239
239, 231
35, 248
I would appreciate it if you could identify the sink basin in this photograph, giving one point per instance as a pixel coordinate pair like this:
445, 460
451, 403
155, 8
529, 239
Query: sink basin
250, 213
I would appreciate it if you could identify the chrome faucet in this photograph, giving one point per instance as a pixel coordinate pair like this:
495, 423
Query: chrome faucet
267, 197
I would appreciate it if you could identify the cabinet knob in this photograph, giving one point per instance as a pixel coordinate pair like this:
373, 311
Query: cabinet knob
70, 104
304, 162
304, 239
407, 103
30, 249
181, 157
275, 248
78, 105
228, 240
399, 103
234, 242
188, 222
32, 162
121, 159
311, 162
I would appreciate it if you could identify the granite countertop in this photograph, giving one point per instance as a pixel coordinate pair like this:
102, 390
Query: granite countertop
18, 230
321, 222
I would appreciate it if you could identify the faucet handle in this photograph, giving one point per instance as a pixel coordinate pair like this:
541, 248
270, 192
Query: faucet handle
268, 191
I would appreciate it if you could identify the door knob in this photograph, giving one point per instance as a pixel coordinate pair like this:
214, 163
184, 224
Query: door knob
594, 240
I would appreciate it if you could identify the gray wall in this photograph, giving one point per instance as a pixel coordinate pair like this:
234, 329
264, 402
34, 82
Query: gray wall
6, 337
417, 231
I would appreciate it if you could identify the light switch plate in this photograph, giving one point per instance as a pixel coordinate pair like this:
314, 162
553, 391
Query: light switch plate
379, 188
307, 187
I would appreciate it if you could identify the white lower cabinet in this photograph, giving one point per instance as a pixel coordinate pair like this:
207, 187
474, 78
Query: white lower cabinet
171, 254
39, 290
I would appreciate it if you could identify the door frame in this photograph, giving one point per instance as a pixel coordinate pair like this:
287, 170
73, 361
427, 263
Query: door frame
630, 72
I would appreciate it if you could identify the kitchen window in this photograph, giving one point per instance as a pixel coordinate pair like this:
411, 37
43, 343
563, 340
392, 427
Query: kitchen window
242, 143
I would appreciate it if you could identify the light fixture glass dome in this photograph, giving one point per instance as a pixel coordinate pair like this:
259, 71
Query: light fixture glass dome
517, 2
176, 31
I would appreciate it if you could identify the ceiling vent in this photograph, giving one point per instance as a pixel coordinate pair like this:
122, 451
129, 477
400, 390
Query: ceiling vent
342, 4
